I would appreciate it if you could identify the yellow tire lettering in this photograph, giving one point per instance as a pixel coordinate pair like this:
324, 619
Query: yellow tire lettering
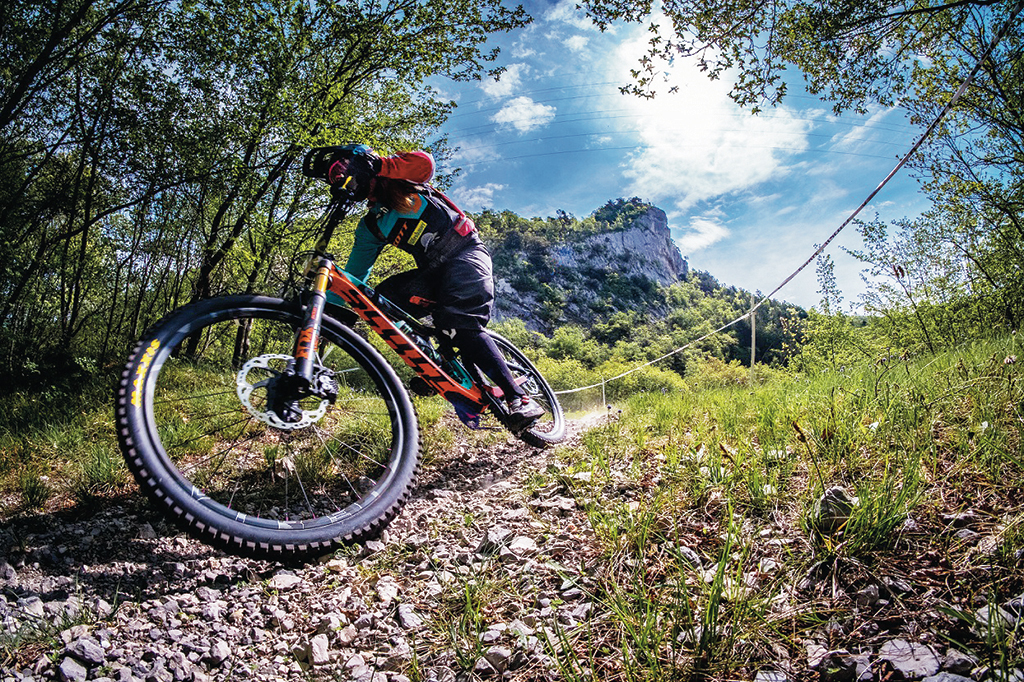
142, 371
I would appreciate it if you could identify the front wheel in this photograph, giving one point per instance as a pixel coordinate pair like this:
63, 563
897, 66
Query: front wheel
217, 434
549, 429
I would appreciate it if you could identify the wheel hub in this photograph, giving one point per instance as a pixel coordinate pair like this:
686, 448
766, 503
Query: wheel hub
274, 396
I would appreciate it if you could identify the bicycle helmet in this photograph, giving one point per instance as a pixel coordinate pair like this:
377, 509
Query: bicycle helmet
349, 169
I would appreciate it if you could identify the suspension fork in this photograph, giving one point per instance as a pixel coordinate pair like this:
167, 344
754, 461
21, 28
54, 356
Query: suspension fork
309, 336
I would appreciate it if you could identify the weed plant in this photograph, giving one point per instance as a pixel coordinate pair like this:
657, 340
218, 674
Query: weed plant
36, 635
699, 501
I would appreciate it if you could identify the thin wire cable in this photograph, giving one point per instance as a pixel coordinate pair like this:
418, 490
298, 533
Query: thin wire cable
656, 360
913, 150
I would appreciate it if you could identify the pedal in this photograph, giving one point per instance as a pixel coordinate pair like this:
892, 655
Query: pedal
420, 387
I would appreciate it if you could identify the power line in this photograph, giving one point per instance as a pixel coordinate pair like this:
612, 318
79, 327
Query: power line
618, 113
591, 150
545, 138
762, 115
605, 116
913, 150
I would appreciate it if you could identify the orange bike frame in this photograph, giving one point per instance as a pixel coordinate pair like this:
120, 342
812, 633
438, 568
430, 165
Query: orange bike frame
343, 285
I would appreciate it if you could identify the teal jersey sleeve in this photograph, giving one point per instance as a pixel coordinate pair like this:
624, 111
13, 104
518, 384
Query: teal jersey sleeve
365, 250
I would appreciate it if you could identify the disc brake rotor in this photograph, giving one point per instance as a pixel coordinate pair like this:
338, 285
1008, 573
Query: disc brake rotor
260, 391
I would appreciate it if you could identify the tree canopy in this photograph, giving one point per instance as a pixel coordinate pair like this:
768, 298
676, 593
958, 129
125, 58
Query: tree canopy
149, 148
852, 52
957, 265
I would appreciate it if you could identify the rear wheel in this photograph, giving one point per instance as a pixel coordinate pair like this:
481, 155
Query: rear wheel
223, 439
549, 428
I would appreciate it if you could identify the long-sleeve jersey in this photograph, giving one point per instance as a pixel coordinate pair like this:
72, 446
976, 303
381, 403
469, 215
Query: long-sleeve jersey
412, 166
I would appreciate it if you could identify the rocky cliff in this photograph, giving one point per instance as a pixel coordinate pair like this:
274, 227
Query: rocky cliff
644, 250
583, 279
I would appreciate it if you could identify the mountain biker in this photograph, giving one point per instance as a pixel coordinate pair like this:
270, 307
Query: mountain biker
453, 267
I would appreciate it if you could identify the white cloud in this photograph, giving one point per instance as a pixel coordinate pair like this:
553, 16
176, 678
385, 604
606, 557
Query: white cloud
576, 43
522, 49
523, 114
475, 152
526, 44
476, 198
852, 139
702, 232
695, 143
566, 12
511, 81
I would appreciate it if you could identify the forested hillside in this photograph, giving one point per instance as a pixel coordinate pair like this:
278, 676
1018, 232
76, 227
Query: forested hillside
632, 298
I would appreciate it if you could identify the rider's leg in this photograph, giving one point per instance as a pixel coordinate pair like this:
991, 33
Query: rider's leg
407, 288
465, 297
478, 348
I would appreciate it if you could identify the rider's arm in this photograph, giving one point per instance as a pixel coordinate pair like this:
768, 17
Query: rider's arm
365, 250
411, 166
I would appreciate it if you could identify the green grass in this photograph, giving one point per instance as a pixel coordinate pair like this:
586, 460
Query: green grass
66, 457
36, 635
727, 466
700, 557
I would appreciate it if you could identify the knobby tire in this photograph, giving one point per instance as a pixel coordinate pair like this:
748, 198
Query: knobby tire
213, 464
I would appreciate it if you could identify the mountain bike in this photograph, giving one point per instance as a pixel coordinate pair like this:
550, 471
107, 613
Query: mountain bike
275, 428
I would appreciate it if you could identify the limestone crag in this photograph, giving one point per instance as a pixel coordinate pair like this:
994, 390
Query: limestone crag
579, 281
645, 250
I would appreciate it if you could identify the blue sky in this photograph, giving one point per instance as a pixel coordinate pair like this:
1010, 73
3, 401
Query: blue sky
747, 197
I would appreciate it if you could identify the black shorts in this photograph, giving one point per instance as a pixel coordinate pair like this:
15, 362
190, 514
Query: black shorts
462, 288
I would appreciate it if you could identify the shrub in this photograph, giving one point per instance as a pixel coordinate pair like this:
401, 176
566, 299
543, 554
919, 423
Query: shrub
710, 372
645, 379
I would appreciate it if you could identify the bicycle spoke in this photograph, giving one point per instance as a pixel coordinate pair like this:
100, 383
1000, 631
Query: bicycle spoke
193, 397
302, 489
195, 439
280, 473
196, 466
236, 444
348, 481
360, 453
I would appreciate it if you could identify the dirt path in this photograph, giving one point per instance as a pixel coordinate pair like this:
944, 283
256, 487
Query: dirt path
121, 594
490, 563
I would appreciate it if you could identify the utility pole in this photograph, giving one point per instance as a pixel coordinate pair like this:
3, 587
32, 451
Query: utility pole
753, 332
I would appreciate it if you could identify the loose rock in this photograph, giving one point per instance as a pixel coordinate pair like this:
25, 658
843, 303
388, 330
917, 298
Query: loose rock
284, 581
87, 650
910, 658
71, 670
219, 652
320, 650
832, 510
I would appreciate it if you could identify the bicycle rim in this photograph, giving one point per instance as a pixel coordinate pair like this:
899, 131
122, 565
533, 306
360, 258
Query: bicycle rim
199, 432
